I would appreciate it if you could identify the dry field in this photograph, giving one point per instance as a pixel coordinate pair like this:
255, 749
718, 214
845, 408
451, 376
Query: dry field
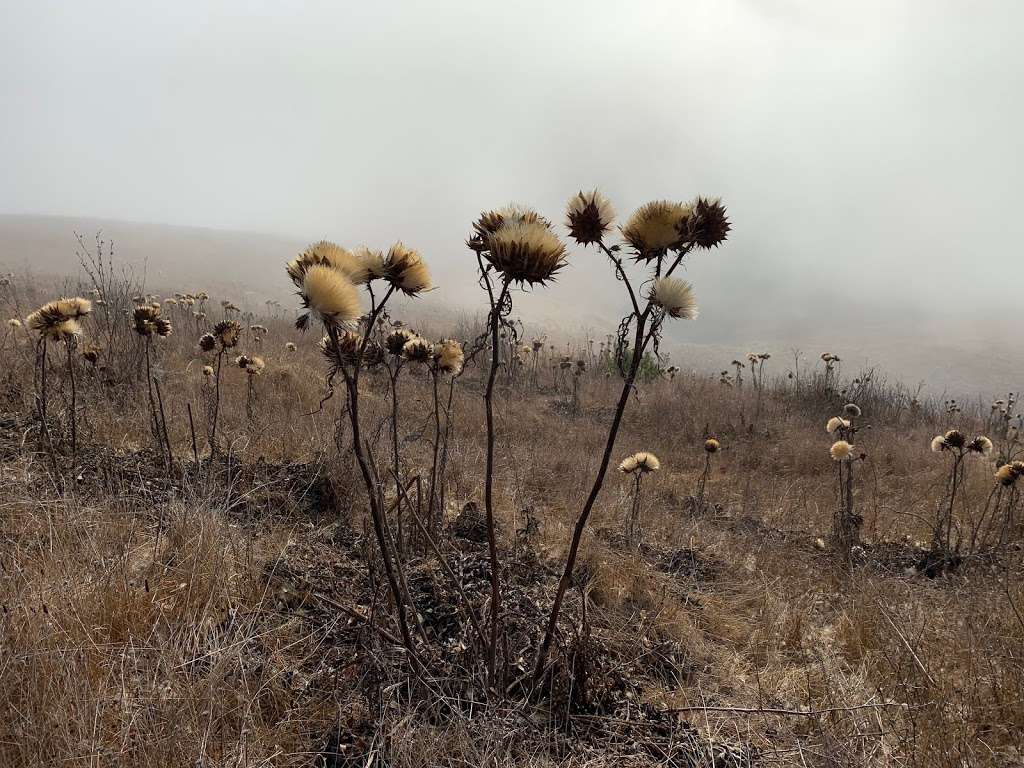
176, 594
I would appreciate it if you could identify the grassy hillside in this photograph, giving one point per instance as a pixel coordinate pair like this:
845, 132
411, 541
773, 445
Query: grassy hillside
175, 597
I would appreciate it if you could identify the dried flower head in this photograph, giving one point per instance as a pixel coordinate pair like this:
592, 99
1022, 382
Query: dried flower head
405, 269
656, 227
207, 370
524, 248
955, 439
289, 346
1007, 475
711, 445
938, 444
589, 216
449, 357
346, 352
326, 253
207, 342
14, 323
373, 261
491, 221
331, 294
707, 225
162, 327
642, 461
226, 333
676, 297
395, 341
76, 307
251, 365
66, 330
980, 444
852, 410
58, 320
841, 450
418, 350
836, 423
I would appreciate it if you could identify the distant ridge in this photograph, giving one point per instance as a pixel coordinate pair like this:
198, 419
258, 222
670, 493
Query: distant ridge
247, 267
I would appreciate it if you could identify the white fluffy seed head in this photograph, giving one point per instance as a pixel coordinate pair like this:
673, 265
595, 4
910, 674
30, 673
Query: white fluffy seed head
331, 294
676, 297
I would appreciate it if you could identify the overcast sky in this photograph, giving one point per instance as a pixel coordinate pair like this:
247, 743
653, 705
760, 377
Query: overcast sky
870, 153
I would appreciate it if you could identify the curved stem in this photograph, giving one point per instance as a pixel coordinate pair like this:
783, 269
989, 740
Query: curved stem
622, 276
395, 467
372, 491
492, 544
216, 403
74, 407
431, 504
584, 517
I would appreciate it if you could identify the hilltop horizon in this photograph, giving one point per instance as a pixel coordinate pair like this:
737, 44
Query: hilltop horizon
185, 257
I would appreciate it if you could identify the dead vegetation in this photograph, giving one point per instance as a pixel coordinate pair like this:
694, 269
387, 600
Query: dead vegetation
176, 593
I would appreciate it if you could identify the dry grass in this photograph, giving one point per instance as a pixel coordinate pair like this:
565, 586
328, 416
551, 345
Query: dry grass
216, 614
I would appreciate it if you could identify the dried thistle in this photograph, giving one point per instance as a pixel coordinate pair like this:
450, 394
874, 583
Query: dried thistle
395, 341
405, 269
418, 350
373, 262
328, 254
707, 226
676, 297
836, 423
226, 333
589, 216
656, 227
525, 249
449, 357
841, 450
331, 294
641, 461
207, 342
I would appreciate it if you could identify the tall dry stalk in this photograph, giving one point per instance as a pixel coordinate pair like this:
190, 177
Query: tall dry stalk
512, 245
661, 235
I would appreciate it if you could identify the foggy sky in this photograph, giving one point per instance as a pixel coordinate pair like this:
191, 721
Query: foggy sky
870, 153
